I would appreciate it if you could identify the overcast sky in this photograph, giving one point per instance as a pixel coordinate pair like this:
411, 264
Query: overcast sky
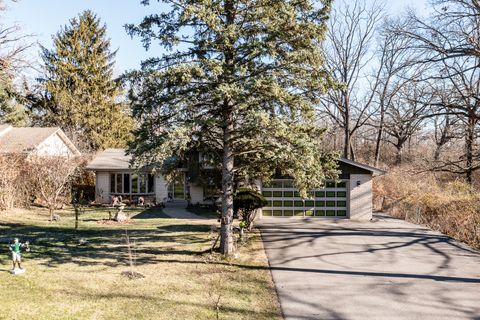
44, 18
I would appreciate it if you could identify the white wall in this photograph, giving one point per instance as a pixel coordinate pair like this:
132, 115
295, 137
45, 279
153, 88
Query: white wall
161, 189
360, 202
102, 187
53, 146
196, 194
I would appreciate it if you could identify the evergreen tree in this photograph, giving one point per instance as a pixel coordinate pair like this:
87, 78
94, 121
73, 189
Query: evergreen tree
82, 96
240, 79
11, 111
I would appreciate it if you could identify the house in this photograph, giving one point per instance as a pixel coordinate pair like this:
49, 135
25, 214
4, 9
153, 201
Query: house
349, 197
42, 141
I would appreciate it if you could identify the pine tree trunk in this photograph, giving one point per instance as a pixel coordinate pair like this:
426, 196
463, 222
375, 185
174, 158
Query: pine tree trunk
226, 230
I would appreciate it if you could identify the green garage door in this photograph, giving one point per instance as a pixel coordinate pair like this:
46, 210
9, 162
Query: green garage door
284, 200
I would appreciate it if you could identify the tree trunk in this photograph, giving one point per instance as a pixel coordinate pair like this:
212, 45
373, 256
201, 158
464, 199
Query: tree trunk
346, 129
398, 156
469, 141
226, 230
379, 137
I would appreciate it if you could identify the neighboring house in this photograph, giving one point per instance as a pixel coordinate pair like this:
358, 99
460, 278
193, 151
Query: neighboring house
35, 141
350, 197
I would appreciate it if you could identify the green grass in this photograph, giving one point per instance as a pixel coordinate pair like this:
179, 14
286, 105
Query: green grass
204, 212
182, 280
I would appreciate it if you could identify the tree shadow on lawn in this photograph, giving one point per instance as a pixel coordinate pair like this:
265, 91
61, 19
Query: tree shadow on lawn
55, 245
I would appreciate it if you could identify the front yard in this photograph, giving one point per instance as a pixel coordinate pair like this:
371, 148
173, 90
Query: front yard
69, 280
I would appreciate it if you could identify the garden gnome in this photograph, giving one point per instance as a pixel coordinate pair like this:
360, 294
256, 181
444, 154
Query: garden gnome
16, 250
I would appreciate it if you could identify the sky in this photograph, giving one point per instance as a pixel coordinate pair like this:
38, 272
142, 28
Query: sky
43, 18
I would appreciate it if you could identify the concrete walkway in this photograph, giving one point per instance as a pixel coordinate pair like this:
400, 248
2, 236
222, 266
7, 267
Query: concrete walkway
388, 269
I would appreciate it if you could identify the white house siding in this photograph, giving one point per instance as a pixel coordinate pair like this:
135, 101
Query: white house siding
196, 194
102, 187
161, 189
53, 146
360, 196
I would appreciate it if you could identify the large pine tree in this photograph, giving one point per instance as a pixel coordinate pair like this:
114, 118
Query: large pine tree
240, 79
82, 95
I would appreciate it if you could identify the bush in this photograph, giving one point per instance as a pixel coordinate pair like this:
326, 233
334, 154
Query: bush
247, 201
451, 207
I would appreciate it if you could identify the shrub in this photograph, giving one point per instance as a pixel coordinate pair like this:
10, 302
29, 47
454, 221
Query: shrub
451, 207
246, 201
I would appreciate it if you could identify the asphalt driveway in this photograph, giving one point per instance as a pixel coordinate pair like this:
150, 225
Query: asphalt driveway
387, 269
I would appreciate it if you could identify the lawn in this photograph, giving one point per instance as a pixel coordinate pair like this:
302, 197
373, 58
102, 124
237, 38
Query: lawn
204, 212
65, 280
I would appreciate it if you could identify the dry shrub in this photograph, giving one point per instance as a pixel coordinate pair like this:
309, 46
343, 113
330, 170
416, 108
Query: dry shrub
450, 207
15, 184
41, 180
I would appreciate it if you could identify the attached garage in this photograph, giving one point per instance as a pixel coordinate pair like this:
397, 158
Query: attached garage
348, 197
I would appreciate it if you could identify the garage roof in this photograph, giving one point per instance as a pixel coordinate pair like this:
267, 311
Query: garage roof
373, 170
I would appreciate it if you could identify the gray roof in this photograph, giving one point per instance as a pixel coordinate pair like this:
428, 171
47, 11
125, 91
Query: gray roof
117, 159
373, 170
27, 139
111, 159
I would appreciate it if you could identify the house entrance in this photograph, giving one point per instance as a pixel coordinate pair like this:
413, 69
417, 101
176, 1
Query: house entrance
176, 189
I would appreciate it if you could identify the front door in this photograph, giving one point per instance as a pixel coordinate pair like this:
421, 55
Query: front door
176, 189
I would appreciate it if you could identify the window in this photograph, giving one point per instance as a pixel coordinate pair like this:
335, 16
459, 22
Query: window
126, 183
267, 193
298, 212
277, 213
341, 204
330, 194
296, 194
112, 183
288, 194
151, 183
341, 194
319, 213
330, 184
288, 184
277, 204
298, 203
320, 203
288, 203
309, 203
319, 194
277, 194
309, 212
341, 213
267, 213
276, 184
134, 183
288, 213
330, 213
119, 183
342, 184
330, 203
143, 183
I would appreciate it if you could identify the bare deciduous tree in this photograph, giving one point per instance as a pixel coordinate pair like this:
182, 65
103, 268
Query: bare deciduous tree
448, 41
349, 54
51, 176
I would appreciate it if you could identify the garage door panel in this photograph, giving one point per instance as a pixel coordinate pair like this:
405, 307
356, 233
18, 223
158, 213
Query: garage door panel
284, 200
